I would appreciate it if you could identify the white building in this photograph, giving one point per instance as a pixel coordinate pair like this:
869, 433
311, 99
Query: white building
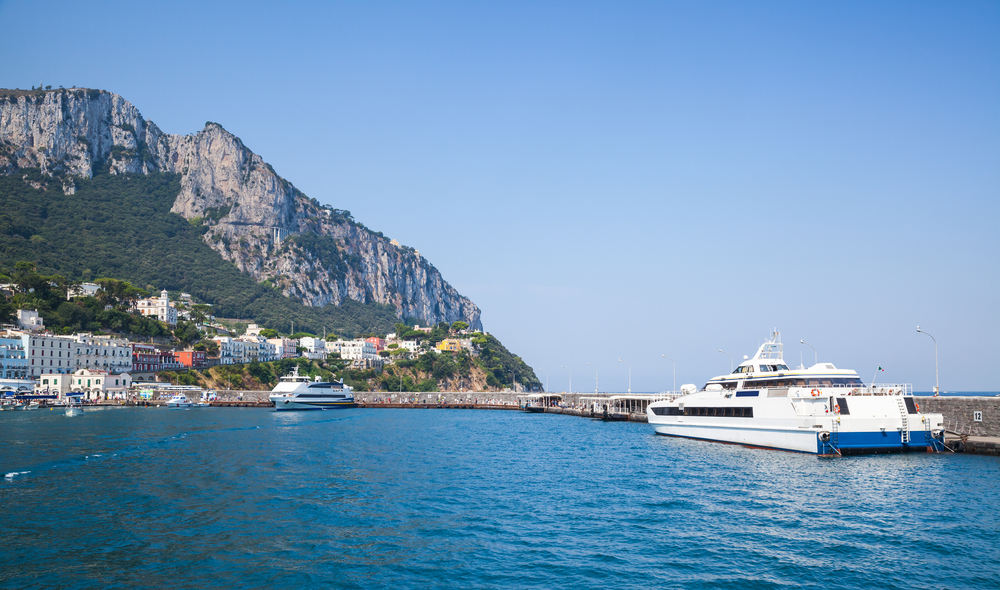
83, 290
284, 348
103, 352
101, 384
48, 354
29, 320
259, 349
316, 348
408, 345
160, 308
356, 350
54, 384
233, 351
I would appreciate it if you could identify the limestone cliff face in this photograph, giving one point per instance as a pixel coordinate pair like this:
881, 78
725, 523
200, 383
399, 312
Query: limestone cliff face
256, 219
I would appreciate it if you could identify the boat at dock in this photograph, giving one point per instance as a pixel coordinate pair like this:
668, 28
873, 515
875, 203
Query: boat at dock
298, 392
821, 409
179, 401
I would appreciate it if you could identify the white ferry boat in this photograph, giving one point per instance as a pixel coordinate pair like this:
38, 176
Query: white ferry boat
179, 401
822, 410
297, 392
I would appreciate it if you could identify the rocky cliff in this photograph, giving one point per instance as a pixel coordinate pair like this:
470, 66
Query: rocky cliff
255, 219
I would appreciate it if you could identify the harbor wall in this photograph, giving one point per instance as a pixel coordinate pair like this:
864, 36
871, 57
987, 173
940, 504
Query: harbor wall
972, 416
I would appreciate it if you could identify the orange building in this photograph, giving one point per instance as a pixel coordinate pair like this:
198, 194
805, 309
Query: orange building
192, 359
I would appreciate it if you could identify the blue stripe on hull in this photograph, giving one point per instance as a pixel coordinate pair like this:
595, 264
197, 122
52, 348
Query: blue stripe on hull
850, 443
857, 443
299, 406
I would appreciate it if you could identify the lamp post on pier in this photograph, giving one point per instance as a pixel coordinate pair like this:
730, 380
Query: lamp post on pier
629, 375
596, 375
815, 354
936, 382
570, 377
730, 360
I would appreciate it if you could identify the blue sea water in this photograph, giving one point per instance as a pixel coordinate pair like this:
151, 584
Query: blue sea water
368, 498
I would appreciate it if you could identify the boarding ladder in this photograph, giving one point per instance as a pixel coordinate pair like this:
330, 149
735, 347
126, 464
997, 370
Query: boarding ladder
933, 443
904, 433
835, 435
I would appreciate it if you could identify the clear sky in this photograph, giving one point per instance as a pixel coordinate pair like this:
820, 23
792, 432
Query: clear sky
613, 179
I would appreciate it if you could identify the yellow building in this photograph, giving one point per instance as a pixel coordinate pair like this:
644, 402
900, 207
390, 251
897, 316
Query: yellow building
449, 345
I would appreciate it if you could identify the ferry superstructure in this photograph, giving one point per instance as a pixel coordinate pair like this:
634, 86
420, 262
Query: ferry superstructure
821, 409
298, 392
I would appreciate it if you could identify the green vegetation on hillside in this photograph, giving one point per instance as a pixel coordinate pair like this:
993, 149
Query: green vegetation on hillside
109, 311
121, 226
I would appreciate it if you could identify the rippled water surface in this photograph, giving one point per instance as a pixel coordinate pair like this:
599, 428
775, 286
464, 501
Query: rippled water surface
246, 498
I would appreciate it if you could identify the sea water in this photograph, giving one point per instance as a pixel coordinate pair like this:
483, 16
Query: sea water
367, 498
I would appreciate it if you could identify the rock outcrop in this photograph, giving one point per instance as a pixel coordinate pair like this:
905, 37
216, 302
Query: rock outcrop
256, 219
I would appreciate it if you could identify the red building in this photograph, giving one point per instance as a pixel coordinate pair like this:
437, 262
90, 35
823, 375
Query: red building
146, 358
378, 342
192, 359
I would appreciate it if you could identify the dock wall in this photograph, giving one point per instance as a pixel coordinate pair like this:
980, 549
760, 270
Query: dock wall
972, 416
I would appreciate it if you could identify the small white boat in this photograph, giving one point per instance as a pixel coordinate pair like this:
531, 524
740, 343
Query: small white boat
73, 405
179, 401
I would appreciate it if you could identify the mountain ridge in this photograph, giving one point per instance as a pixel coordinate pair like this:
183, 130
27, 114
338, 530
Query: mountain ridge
252, 217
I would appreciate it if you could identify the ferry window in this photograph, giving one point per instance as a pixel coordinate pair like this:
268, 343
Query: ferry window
781, 367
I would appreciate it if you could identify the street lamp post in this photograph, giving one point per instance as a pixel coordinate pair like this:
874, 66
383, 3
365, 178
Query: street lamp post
570, 377
546, 380
936, 382
629, 375
730, 360
675, 372
596, 375
815, 354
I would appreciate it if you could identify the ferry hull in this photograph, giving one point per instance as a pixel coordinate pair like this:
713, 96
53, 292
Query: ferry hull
806, 441
283, 405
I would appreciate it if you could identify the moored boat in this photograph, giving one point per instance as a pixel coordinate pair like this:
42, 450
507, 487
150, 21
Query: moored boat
179, 401
821, 409
298, 392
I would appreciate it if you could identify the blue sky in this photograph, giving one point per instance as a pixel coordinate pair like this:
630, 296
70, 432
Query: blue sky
613, 179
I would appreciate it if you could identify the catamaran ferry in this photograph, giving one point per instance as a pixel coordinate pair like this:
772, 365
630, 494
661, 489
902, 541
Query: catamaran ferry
297, 392
822, 410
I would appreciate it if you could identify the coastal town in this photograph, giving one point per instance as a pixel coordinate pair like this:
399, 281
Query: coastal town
101, 367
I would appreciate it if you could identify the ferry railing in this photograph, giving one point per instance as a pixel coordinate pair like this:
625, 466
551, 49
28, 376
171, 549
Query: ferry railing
839, 390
